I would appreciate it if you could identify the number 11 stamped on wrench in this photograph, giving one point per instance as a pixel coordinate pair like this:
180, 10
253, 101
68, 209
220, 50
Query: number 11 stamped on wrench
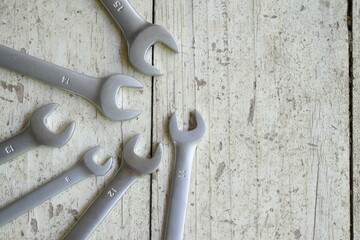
185, 146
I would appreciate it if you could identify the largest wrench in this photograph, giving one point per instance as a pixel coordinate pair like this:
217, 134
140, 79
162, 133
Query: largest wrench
100, 91
139, 33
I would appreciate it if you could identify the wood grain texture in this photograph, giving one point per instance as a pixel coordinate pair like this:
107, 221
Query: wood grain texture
271, 80
269, 77
79, 35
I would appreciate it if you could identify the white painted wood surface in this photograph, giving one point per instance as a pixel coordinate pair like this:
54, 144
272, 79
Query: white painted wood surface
81, 36
356, 117
270, 78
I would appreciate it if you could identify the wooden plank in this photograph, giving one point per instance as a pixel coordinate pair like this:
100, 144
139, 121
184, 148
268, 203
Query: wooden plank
356, 118
271, 80
79, 35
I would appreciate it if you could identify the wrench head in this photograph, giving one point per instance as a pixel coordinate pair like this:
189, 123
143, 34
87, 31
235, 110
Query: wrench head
42, 134
108, 94
140, 44
93, 166
189, 137
139, 164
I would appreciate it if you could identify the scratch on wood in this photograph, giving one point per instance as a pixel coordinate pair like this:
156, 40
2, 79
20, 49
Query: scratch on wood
59, 209
51, 210
8, 100
200, 83
220, 171
251, 111
297, 234
19, 90
34, 225
73, 212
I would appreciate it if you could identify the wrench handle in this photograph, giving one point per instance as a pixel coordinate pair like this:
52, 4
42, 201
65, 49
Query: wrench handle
16, 145
49, 73
43, 193
125, 16
103, 204
184, 155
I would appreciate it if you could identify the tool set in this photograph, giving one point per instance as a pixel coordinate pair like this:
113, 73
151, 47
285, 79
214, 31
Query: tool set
140, 36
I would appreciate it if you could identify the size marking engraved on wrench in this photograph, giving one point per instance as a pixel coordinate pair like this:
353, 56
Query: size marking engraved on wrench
65, 80
9, 149
112, 192
67, 179
118, 5
181, 173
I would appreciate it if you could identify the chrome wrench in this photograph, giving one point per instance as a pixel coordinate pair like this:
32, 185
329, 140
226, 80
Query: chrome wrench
139, 33
87, 167
131, 169
35, 134
99, 91
185, 146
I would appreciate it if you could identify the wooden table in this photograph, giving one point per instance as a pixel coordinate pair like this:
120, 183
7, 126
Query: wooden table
277, 81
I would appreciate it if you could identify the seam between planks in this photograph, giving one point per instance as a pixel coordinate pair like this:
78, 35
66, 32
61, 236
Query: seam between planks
152, 127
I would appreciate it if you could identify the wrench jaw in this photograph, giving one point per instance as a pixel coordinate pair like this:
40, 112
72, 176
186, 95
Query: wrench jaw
139, 164
107, 100
188, 137
42, 134
140, 44
93, 166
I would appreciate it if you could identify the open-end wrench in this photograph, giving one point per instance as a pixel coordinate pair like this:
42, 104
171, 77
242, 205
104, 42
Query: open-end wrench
87, 167
139, 33
100, 91
131, 169
35, 134
185, 146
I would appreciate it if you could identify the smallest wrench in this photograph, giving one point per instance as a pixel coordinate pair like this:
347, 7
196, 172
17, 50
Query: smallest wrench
84, 169
131, 169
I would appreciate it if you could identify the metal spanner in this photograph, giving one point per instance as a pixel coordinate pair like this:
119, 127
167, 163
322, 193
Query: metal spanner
87, 167
35, 134
185, 146
131, 169
139, 33
100, 91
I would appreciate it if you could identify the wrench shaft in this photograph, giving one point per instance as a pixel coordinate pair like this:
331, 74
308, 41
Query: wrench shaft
97, 211
49, 73
16, 145
184, 155
43, 193
125, 16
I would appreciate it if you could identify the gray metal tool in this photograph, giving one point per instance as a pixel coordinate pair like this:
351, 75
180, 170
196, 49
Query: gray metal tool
100, 91
87, 167
139, 33
131, 169
35, 134
185, 146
